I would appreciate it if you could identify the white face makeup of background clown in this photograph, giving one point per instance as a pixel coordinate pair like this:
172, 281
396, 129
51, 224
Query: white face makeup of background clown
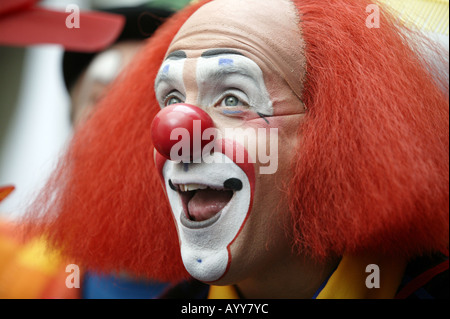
229, 216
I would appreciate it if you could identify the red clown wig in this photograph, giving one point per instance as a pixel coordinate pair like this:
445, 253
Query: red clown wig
371, 173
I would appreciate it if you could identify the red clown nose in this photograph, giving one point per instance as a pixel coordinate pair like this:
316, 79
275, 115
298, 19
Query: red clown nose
178, 132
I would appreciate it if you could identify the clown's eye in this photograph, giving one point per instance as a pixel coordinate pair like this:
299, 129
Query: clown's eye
172, 99
231, 101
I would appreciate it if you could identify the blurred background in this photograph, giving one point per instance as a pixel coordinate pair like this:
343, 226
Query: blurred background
35, 121
34, 103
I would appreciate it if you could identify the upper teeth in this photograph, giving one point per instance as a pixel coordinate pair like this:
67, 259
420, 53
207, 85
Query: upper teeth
191, 187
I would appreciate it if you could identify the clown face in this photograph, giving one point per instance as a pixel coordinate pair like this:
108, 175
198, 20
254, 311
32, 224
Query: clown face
228, 209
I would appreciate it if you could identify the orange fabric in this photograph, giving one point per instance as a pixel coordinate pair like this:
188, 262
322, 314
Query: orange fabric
28, 271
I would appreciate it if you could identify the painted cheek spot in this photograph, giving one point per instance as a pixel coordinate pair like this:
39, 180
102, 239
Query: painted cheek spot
225, 62
166, 68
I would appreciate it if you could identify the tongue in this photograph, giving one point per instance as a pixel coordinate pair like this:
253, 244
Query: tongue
207, 203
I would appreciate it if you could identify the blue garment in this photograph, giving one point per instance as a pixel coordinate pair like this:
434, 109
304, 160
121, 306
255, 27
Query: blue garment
101, 286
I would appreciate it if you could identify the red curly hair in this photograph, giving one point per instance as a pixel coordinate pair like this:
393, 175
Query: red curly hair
371, 172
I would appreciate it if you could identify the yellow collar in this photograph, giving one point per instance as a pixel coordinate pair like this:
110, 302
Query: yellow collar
348, 281
222, 292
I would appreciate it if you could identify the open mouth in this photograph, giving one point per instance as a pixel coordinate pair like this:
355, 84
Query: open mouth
204, 202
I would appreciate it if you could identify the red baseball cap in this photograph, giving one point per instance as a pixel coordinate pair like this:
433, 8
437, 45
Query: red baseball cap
23, 23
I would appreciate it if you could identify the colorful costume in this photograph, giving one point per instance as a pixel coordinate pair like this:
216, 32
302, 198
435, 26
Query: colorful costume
27, 270
359, 123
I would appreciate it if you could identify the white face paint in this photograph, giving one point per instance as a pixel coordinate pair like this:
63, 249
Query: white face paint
231, 88
218, 76
231, 75
169, 82
204, 244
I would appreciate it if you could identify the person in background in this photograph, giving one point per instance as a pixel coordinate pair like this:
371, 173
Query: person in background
87, 78
27, 268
